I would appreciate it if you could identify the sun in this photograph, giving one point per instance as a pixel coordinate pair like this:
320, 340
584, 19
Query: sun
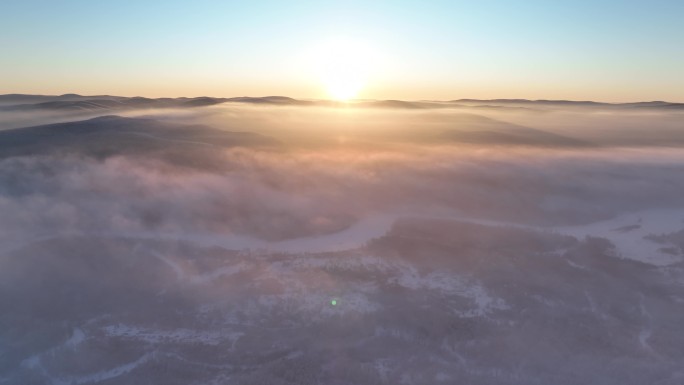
344, 67
343, 88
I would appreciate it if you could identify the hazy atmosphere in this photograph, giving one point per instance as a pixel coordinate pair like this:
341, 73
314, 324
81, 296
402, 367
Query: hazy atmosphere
608, 50
442, 193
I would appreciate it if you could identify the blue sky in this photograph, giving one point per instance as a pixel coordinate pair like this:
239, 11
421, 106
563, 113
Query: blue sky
600, 50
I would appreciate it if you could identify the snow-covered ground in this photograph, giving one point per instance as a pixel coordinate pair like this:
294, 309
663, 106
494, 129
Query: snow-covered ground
627, 232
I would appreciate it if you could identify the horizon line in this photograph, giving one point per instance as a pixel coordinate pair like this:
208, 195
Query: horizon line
72, 94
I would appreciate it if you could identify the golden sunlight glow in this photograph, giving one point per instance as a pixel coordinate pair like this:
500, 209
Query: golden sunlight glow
343, 67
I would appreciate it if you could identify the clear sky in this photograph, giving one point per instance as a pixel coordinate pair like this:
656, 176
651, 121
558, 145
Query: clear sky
605, 50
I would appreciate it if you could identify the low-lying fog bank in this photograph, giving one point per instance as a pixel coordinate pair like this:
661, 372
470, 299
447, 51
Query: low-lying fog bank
481, 242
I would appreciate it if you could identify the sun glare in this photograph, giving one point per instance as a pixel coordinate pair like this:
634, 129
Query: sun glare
344, 67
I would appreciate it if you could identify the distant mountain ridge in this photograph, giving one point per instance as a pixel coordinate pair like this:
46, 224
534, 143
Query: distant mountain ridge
545, 102
75, 102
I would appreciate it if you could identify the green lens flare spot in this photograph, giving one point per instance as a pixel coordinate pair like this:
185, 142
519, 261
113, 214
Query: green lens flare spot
333, 302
